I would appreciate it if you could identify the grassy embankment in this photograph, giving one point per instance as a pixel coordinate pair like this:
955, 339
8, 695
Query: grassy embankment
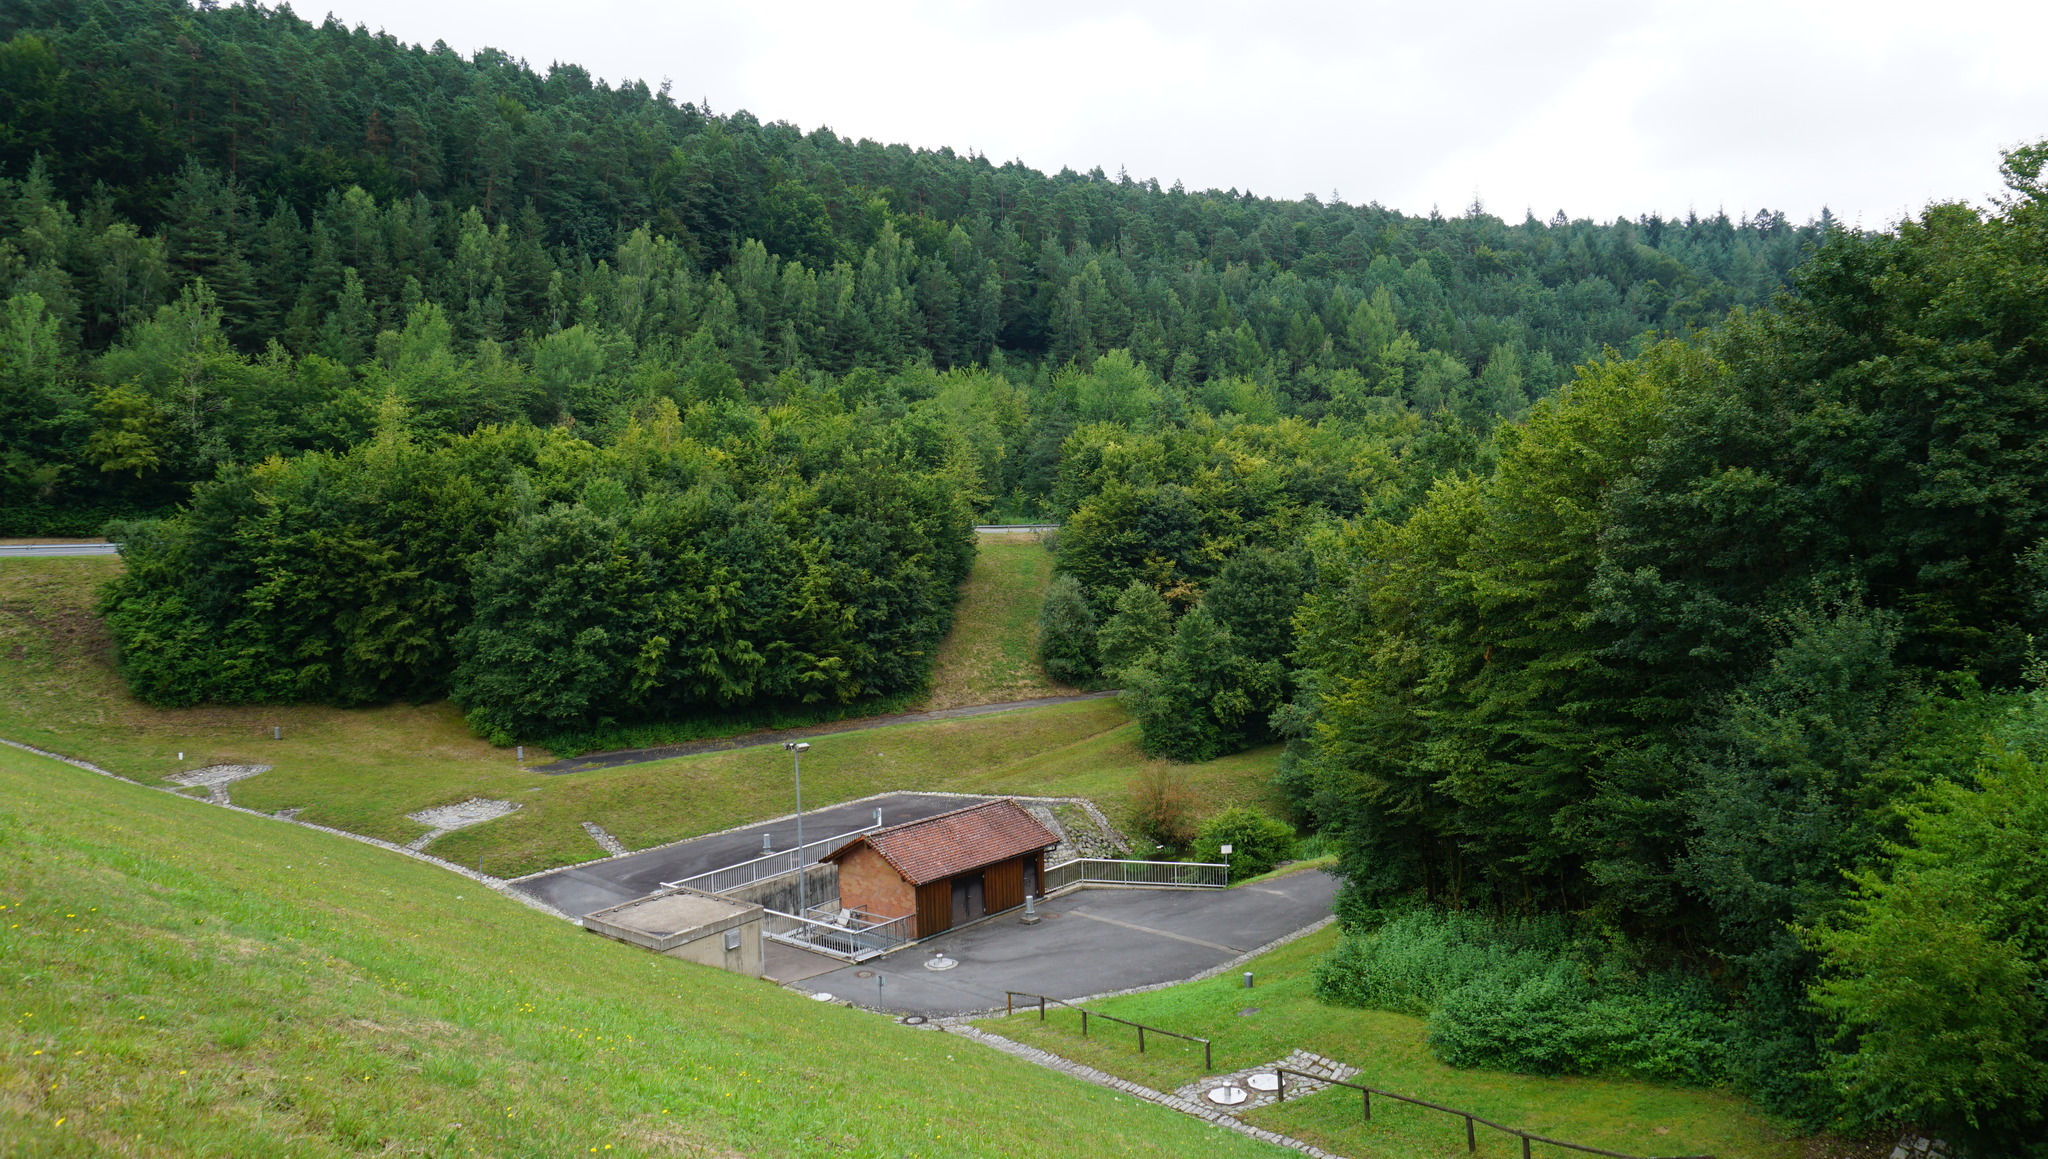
992, 653
1389, 1049
182, 980
364, 769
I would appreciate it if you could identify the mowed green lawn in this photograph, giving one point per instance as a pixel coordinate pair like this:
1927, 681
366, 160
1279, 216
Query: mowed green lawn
184, 980
1389, 1049
364, 769
991, 655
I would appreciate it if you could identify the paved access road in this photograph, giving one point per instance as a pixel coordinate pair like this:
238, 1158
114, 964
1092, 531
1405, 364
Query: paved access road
1102, 940
18, 550
588, 888
592, 761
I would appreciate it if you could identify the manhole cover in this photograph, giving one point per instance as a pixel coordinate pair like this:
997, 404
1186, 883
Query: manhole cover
1263, 1082
1046, 913
1247, 1012
941, 963
1226, 1096
913, 1020
863, 973
821, 996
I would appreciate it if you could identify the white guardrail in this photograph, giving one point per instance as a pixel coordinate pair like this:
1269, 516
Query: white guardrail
17, 550
770, 865
1106, 871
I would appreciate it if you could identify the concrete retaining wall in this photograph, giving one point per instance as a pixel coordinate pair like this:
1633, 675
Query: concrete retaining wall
821, 886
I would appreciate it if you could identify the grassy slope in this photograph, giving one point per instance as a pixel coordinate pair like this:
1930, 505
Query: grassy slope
183, 980
1390, 1051
363, 770
992, 653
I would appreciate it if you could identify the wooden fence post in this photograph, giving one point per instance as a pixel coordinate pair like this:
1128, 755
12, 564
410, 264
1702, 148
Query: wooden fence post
1471, 1140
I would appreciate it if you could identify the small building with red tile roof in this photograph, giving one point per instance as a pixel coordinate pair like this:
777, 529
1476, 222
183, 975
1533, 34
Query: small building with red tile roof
948, 869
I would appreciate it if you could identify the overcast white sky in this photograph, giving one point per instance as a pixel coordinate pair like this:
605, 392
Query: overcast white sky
1598, 107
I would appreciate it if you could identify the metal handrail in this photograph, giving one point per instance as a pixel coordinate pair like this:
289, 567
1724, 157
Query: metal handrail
1280, 1074
798, 853
1208, 1050
1180, 872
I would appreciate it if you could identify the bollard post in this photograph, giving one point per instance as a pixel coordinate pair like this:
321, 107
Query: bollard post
1247, 979
521, 751
766, 848
276, 733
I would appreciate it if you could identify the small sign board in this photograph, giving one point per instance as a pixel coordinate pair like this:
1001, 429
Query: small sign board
1226, 850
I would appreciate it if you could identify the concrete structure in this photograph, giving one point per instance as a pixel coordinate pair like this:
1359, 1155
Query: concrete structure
949, 869
689, 924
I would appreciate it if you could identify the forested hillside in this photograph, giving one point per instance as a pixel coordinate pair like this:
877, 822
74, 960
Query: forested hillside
1709, 723
1667, 676
588, 247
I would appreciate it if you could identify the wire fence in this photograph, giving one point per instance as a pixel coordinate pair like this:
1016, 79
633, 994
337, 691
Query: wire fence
1472, 1122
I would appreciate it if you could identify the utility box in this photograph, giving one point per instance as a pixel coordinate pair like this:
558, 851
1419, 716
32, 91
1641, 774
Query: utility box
690, 924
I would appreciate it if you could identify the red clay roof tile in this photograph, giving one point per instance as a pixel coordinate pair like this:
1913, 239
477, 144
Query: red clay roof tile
957, 842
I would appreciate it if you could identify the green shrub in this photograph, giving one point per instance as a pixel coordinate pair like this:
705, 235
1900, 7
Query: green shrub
1525, 997
1258, 842
1066, 633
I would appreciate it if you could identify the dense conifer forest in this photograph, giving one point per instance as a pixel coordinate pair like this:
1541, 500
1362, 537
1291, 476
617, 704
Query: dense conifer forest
1650, 608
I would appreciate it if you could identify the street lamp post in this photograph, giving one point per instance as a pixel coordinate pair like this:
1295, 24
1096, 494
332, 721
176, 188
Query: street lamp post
797, 749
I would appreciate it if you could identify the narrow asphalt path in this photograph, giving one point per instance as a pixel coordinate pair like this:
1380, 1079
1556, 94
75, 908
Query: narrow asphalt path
611, 760
582, 889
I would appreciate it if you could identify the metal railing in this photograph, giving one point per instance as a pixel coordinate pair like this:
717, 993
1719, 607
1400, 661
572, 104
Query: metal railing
766, 866
1009, 1008
855, 938
1181, 874
1472, 1121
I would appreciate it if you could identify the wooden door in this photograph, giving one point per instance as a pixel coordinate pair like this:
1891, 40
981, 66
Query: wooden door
1005, 884
934, 907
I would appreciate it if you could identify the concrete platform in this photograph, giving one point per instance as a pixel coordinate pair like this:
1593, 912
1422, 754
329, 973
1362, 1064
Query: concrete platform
585, 889
1101, 940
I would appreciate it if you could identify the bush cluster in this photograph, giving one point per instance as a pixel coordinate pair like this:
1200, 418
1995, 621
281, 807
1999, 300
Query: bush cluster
722, 558
1527, 997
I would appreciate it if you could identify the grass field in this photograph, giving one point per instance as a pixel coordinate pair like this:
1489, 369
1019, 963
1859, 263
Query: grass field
185, 980
992, 653
1390, 1051
364, 769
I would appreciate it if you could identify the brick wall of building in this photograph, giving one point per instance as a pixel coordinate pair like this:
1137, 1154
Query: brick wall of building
867, 882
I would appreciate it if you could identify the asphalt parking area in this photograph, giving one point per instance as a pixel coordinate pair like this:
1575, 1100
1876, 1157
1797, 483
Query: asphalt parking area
1101, 940
584, 889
